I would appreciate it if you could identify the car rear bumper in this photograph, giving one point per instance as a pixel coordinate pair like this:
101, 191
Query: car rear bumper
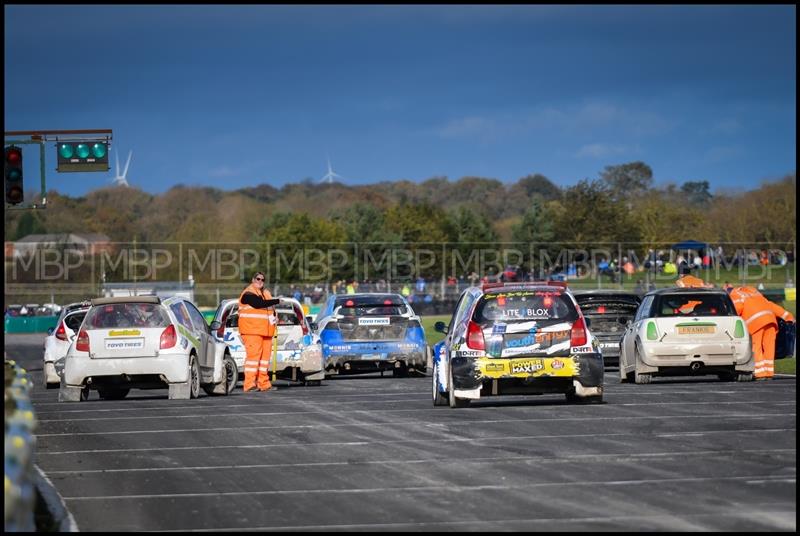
535, 375
662, 354
174, 368
337, 355
50, 374
308, 360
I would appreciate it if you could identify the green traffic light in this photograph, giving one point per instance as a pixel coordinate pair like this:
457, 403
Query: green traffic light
99, 150
66, 150
14, 174
82, 150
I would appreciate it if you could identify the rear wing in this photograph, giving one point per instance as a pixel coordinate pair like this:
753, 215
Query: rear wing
491, 286
126, 299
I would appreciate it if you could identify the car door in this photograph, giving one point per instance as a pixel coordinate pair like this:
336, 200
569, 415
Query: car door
203, 333
629, 340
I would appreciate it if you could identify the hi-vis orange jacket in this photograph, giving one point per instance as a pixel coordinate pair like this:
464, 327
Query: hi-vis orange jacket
254, 321
757, 311
690, 281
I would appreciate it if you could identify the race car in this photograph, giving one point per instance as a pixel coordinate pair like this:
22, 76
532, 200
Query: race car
609, 312
299, 357
516, 338
146, 343
686, 331
371, 332
59, 338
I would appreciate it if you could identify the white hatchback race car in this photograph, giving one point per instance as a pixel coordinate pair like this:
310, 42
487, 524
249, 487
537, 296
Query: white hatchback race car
299, 358
59, 339
686, 331
146, 343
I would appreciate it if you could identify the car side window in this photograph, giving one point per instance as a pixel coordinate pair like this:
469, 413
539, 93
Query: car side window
198, 319
180, 313
644, 309
456, 326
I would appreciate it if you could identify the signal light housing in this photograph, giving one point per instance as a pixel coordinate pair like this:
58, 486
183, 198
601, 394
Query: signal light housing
12, 166
82, 156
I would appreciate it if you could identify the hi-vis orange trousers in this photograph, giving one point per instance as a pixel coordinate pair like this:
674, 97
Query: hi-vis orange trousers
764, 351
256, 364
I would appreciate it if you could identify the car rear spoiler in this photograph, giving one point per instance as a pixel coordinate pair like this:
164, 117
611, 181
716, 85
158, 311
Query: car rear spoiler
488, 286
126, 299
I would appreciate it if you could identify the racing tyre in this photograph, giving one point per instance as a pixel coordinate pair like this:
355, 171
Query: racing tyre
231, 373
439, 399
744, 377
85, 393
313, 383
194, 378
113, 394
455, 402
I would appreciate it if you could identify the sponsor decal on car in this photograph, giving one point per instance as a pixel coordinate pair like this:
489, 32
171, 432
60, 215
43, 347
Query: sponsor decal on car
523, 368
369, 321
468, 353
581, 350
124, 333
124, 344
531, 365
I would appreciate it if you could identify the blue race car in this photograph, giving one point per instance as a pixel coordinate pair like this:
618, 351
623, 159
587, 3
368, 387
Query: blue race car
362, 333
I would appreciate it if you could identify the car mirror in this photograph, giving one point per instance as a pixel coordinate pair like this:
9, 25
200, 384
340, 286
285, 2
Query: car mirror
314, 326
629, 323
441, 327
50, 331
215, 325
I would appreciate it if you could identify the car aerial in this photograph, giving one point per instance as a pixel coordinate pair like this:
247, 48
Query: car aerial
298, 359
59, 338
608, 312
682, 331
147, 343
516, 338
371, 332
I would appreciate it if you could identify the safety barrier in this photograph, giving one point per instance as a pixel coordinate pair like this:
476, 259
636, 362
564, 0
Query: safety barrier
29, 324
20, 446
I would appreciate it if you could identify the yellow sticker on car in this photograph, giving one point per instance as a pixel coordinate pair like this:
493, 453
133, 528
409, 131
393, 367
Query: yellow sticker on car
124, 333
523, 368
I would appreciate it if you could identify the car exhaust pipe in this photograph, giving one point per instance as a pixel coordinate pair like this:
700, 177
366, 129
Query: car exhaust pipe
347, 366
695, 366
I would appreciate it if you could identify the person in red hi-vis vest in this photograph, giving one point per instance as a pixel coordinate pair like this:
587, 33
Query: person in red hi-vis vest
760, 316
257, 327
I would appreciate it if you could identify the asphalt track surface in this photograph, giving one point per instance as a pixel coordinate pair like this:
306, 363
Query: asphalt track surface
366, 453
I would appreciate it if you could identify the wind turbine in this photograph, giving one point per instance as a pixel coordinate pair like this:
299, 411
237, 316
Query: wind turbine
329, 176
120, 180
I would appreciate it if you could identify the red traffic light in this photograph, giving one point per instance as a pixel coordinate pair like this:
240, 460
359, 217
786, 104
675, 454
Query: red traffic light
13, 156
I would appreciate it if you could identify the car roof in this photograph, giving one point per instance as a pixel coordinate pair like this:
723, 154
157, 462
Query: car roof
126, 299
687, 290
522, 285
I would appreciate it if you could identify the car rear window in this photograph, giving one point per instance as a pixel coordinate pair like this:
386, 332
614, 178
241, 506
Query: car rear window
370, 306
524, 306
287, 318
73, 321
694, 305
127, 315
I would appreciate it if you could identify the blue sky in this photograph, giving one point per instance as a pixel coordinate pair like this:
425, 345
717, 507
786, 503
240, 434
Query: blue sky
234, 96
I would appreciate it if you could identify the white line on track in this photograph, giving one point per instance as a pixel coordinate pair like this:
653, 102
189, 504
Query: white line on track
569, 458
406, 410
41, 453
593, 418
449, 487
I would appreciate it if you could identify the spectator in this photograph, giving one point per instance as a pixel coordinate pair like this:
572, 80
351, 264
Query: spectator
727, 286
639, 289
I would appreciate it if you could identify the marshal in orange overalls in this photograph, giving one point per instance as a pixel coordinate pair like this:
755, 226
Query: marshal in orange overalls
256, 328
760, 315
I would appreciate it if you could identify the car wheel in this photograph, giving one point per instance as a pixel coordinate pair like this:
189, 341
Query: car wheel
313, 383
455, 402
194, 378
231, 373
113, 394
642, 378
85, 393
572, 398
439, 399
744, 377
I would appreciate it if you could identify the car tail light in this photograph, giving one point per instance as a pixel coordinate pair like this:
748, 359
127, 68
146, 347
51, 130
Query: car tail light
299, 313
475, 336
168, 338
82, 343
578, 334
221, 329
61, 333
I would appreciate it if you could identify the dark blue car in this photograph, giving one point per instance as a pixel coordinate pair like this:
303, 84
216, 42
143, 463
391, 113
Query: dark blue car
369, 332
